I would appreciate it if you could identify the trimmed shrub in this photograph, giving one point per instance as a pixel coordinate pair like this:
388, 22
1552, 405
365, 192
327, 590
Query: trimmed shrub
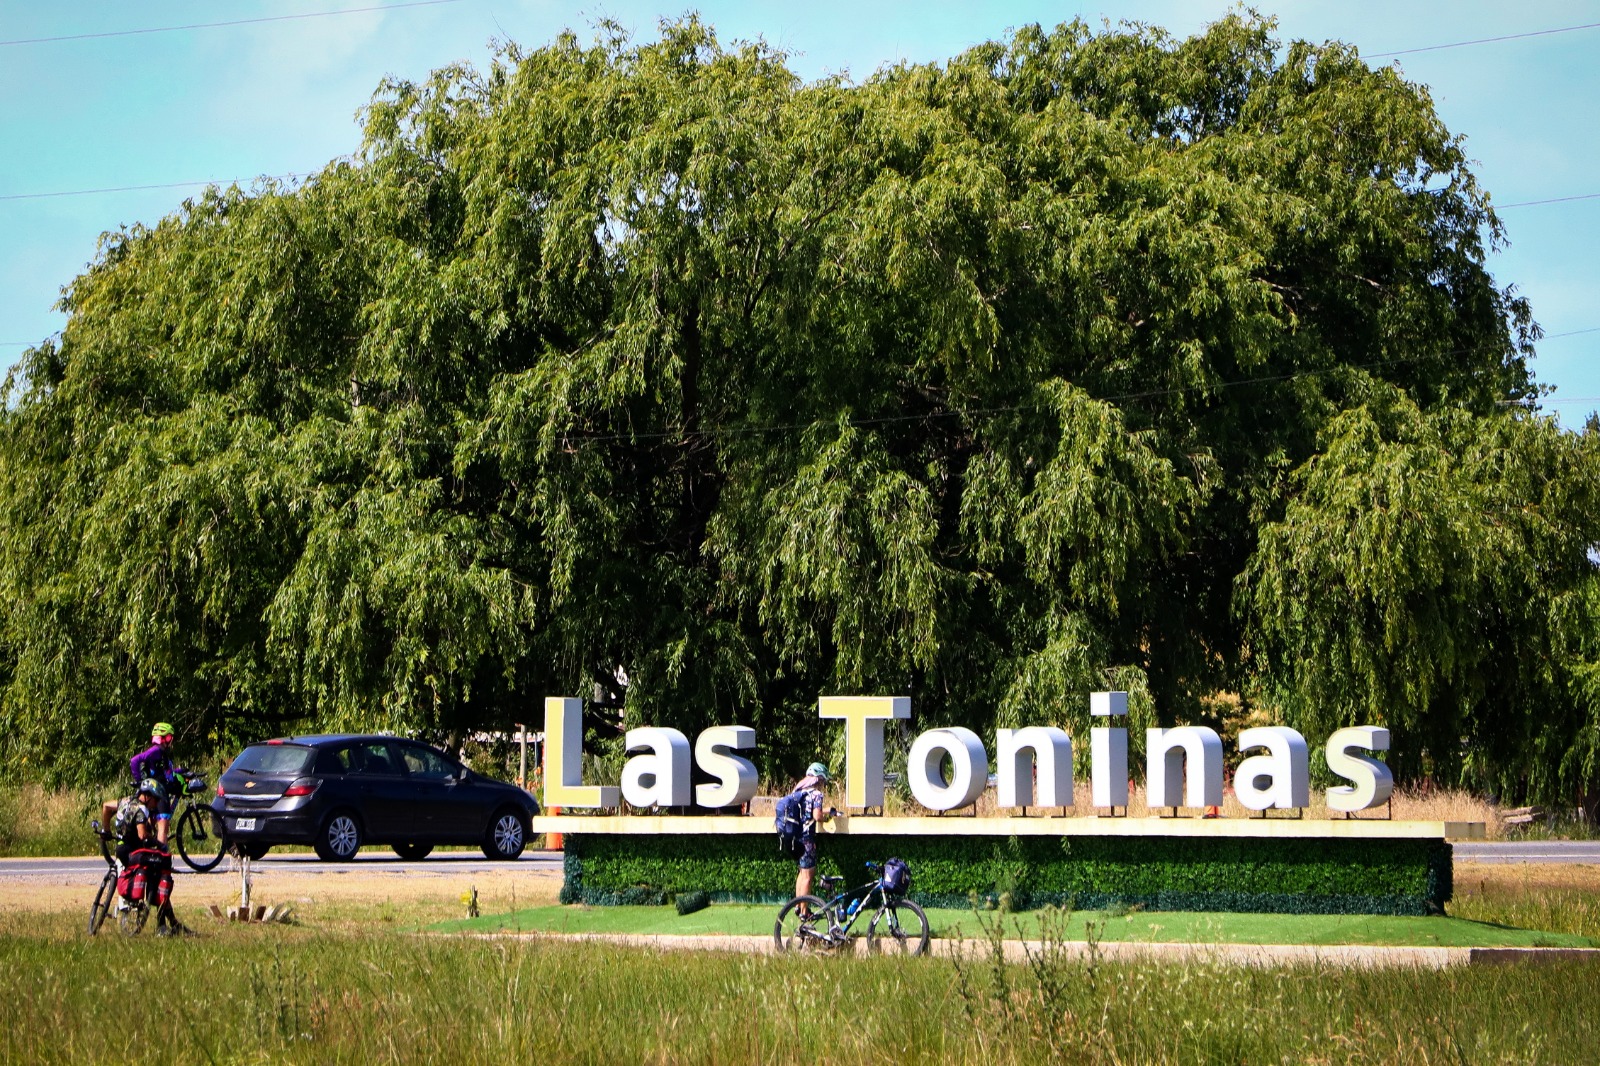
689, 902
1286, 876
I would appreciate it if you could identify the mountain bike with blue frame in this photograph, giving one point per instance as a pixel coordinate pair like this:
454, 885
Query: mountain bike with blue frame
894, 923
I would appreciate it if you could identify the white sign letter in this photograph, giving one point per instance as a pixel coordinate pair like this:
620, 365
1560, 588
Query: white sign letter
737, 776
1281, 778
971, 768
1018, 752
661, 778
863, 741
563, 758
1171, 756
1108, 751
1373, 782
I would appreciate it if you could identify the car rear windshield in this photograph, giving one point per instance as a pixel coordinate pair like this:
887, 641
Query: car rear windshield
273, 759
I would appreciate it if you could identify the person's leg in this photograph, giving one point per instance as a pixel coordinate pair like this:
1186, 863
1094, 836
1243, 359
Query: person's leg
164, 821
807, 876
124, 874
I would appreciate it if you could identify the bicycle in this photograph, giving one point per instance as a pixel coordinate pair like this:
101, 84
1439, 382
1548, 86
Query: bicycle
807, 923
200, 838
131, 914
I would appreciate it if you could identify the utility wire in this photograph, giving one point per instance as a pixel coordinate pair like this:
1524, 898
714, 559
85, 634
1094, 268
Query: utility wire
292, 177
1483, 40
574, 437
1556, 200
141, 188
233, 22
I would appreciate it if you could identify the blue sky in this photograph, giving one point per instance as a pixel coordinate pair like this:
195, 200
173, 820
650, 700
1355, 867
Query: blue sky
227, 103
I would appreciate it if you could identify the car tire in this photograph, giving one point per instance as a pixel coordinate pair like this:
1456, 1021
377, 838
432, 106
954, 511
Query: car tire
412, 852
253, 851
340, 838
507, 834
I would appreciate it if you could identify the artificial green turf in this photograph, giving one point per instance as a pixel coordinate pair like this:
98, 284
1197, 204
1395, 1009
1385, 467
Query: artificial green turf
1155, 926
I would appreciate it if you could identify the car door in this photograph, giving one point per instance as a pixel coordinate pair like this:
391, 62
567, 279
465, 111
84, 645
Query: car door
444, 807
382, 795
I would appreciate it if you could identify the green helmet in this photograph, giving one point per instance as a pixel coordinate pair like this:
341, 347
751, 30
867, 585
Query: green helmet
150, 786
160, 729
817, 770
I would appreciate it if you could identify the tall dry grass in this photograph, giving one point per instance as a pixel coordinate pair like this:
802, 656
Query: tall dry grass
292, 995
35, 820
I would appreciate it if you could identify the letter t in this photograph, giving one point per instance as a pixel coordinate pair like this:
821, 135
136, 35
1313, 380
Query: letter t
863, 741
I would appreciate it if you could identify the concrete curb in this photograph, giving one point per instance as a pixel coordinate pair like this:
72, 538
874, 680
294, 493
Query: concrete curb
1349, 956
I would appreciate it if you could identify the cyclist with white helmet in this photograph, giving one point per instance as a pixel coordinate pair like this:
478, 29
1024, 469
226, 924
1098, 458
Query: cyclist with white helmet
810, 788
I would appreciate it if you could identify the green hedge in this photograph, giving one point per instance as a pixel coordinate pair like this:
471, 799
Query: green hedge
1286, 876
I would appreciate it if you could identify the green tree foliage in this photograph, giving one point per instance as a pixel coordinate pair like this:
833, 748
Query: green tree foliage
650, 371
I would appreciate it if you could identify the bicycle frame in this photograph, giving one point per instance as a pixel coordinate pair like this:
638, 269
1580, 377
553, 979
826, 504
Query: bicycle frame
838, 906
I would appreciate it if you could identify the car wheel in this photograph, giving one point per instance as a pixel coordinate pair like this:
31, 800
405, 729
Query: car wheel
507, 835
253, 850
413, 852
340, 838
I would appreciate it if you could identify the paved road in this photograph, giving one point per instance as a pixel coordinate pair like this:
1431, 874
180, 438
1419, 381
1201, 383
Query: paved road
1530, 851
375, 863
380, 862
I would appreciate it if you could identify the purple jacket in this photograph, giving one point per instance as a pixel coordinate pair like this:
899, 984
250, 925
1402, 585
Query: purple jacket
152, 762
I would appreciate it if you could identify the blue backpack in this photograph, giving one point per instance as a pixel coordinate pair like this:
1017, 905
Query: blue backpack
789, 816
896, 877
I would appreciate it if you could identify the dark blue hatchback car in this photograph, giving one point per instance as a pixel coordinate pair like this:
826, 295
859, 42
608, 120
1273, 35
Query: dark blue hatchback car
340, 792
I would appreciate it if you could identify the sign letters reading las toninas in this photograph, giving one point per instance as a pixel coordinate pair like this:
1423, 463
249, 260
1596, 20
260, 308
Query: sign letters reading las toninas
1033, 765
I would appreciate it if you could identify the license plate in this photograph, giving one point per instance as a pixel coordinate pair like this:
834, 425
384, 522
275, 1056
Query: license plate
244, 825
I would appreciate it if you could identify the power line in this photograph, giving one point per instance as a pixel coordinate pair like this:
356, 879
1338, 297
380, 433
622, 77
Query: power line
291, 177
1483, 40
233, 22
141, 188
575, 437
1556, 200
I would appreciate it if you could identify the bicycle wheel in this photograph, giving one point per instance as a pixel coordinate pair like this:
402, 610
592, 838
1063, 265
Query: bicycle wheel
103, 900
133, 917
201, 846
802, 925
900, 930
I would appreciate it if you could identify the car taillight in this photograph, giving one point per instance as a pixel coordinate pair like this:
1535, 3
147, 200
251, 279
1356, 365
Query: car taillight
303, 787
221, 794
279, 741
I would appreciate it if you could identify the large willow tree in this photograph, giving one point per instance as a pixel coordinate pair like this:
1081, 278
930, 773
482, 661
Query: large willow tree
649, 372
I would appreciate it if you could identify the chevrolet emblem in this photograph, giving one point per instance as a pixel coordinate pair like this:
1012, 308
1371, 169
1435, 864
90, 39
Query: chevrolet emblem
249, 784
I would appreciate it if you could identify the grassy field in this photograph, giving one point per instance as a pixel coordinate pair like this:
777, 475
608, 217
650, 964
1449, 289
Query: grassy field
1139, 926
351, 981
325, 992
348, 982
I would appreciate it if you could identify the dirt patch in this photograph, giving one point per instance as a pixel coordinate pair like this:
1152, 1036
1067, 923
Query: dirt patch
356, 894
1524, 878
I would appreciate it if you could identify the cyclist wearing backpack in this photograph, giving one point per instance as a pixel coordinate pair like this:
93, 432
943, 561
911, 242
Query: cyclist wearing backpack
146, 866
798, 815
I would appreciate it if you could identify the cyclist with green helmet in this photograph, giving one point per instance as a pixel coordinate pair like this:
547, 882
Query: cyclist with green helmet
810, 788
155, 764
